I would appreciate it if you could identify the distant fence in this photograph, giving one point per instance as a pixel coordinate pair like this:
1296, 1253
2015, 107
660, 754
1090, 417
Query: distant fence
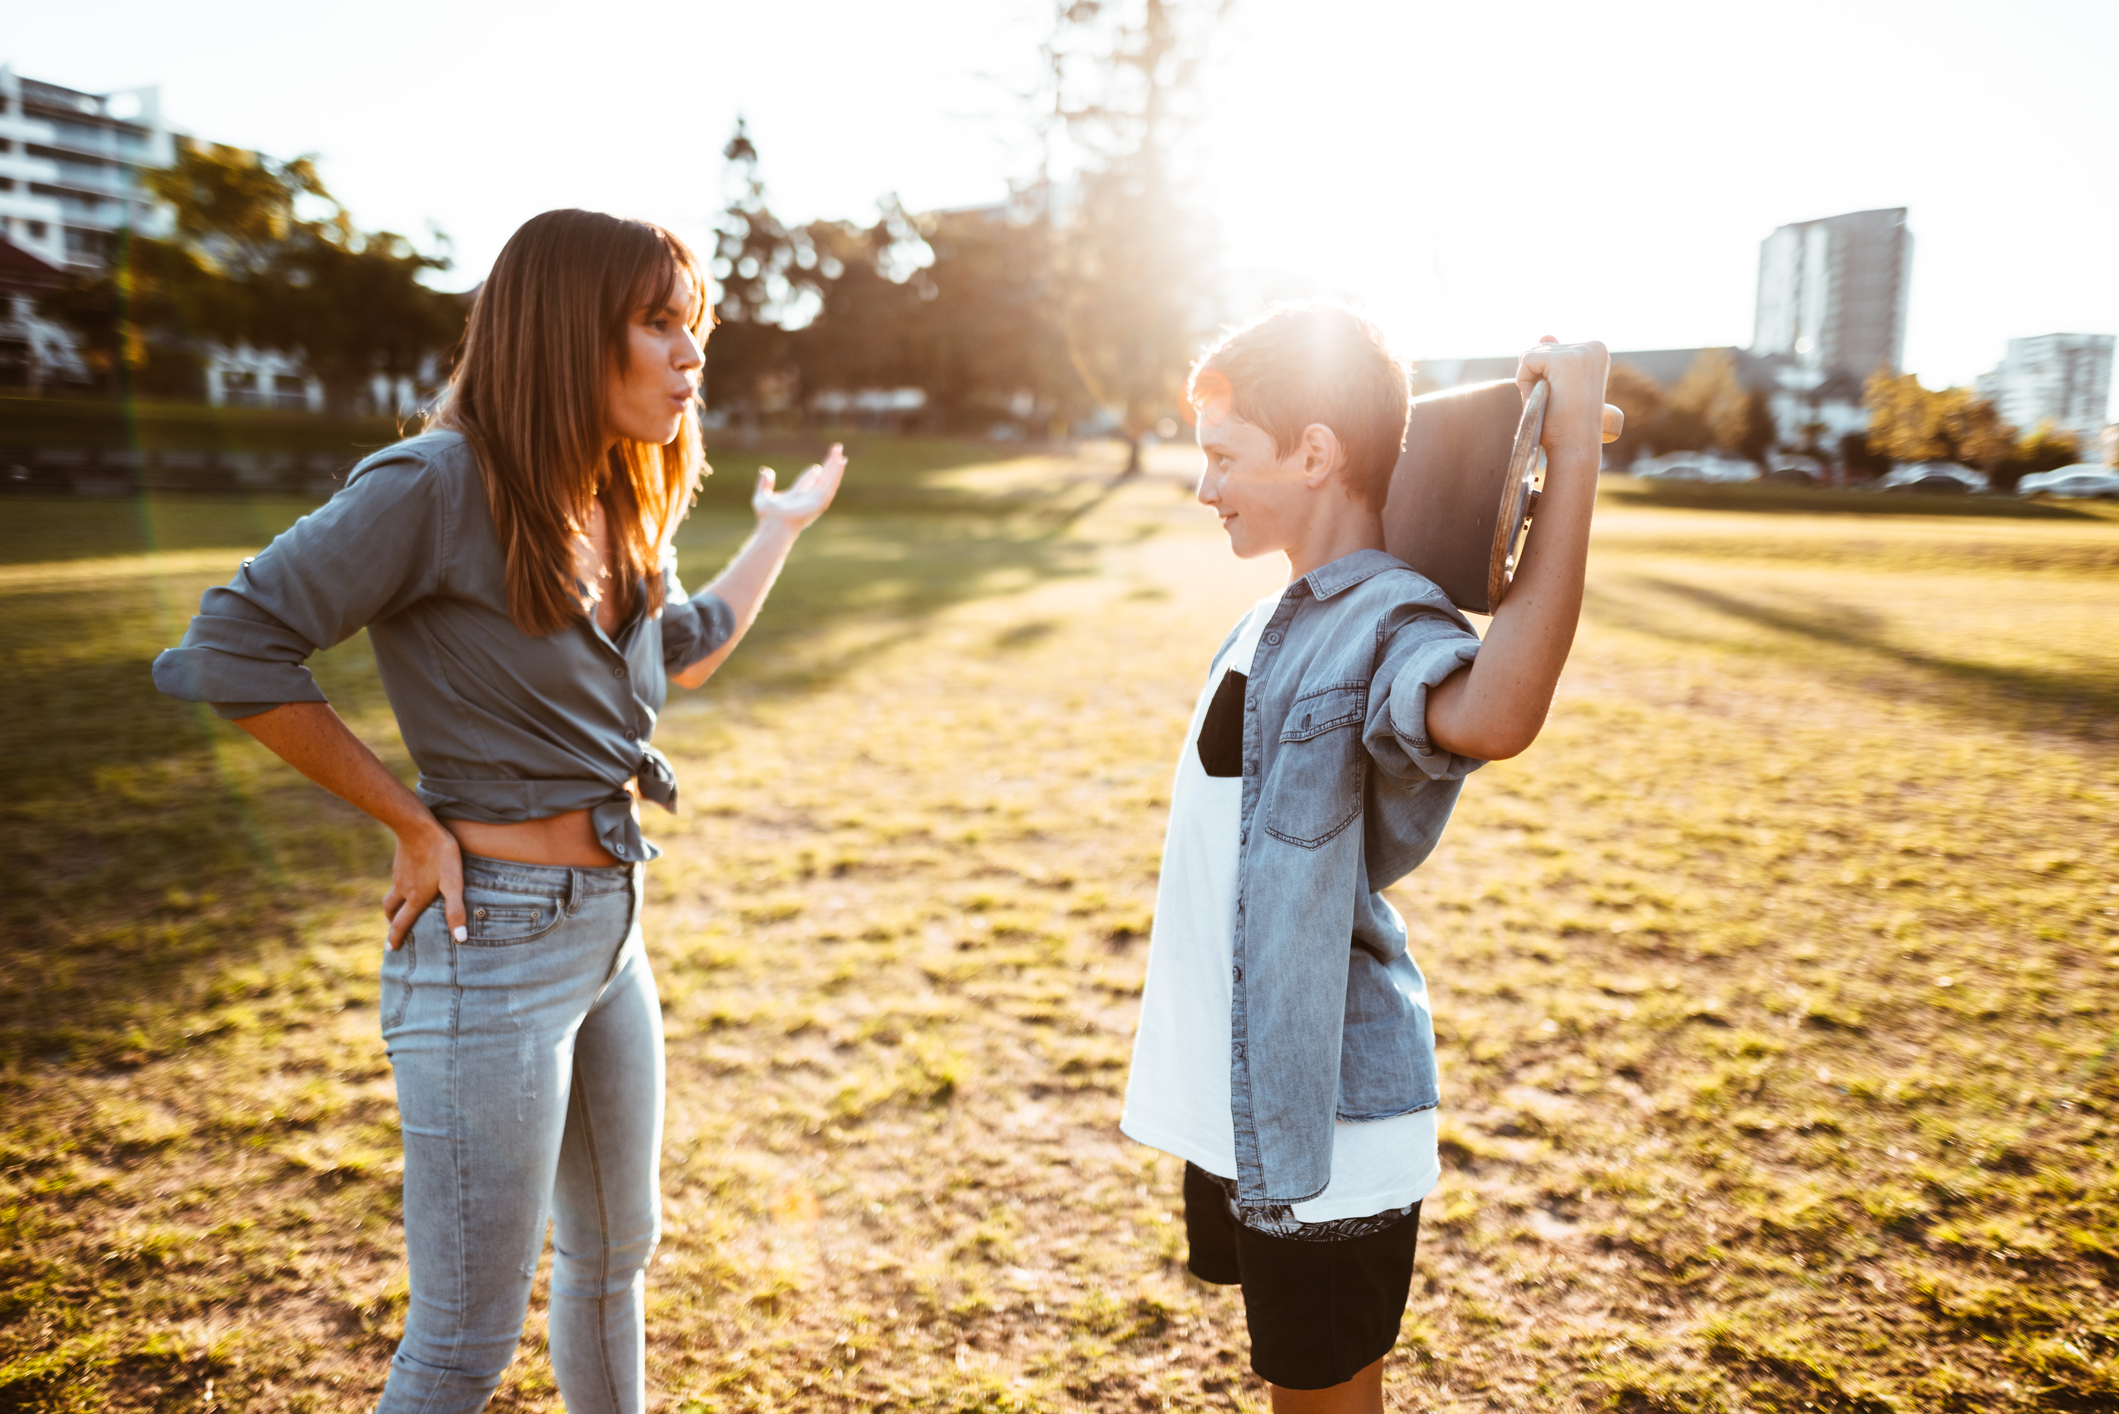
108, 471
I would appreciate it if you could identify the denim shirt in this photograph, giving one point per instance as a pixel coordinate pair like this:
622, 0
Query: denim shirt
1343, 795
504, 726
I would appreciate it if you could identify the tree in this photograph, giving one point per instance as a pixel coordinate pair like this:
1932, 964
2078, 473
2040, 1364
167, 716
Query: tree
1760, 431
131, 321
768, 280
1707, 407
867, 334
1862, 461
1638, 396
354, 305
246, 265
2043, 448
1132, 253
1910, 423
992, 330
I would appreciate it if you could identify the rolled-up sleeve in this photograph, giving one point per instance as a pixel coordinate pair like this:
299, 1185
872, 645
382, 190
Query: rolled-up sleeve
693, 625
1423, 652
376, 547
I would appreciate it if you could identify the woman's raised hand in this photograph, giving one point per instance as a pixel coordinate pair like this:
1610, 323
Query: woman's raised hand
804, 501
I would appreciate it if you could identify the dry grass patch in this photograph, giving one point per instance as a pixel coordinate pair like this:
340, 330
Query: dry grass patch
1776, 988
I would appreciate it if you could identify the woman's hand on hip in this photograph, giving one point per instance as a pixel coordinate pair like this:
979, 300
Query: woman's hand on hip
804, 501
428, 862
310, 737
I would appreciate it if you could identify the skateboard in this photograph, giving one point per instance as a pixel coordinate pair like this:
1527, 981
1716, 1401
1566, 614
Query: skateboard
1466, 487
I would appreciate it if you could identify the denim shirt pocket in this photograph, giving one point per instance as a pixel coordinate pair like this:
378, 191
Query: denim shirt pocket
1314, 791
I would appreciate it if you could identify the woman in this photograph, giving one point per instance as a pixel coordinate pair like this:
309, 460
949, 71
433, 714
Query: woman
513, 568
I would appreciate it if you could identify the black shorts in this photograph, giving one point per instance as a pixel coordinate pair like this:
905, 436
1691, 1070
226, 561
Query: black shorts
1319, 1312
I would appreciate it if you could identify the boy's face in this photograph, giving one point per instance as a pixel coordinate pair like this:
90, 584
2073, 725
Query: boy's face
1265, 500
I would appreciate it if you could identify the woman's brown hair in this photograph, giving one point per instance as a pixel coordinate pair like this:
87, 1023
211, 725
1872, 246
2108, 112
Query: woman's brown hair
528, 394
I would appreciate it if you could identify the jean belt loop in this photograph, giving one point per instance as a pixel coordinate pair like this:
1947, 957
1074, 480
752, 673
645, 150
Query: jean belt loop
573, 891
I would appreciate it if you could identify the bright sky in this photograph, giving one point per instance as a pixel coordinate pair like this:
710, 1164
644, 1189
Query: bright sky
1477, 174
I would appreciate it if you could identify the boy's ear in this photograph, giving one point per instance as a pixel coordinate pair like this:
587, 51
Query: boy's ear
1322, 454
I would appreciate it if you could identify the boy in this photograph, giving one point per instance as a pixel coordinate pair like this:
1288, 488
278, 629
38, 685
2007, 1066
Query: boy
1285, 1050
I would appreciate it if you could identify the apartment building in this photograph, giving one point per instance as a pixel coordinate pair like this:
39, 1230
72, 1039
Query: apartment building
73, 178
72, 168
1832, 293
2061, 379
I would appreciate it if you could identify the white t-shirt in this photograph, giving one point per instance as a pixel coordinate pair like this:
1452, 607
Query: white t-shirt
1177, 1096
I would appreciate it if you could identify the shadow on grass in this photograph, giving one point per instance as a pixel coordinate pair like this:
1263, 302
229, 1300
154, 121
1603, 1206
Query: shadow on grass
2087, 697
152, 852
891, 574
137, 861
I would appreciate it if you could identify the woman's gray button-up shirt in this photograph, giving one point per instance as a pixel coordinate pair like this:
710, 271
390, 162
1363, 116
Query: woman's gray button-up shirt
502, 725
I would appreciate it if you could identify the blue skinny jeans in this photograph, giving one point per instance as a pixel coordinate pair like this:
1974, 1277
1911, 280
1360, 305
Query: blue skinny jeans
529, 1084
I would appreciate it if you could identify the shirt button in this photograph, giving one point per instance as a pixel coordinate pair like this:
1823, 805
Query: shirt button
1250, 768
1273, 637
1250, 704
618, 672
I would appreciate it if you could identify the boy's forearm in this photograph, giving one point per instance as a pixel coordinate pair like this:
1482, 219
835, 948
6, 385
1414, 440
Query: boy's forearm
1496, 707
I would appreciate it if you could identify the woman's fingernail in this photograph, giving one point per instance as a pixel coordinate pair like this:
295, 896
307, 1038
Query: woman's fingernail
459, 932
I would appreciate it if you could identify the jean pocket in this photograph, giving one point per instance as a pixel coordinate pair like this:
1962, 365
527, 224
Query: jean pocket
1314, 791
496, 918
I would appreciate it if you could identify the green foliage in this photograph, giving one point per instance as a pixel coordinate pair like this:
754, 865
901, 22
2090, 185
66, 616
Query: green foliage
1862, 461
1910, 423
958, 303
1640, 397
1759, 432
764, 278
1707, 407
153, 286
2043, 448
246, 266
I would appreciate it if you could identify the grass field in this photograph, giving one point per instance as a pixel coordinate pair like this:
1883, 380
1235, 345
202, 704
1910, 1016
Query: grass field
1777, 986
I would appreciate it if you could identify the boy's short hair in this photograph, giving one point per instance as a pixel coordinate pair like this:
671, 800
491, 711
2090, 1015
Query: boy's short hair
1314, 363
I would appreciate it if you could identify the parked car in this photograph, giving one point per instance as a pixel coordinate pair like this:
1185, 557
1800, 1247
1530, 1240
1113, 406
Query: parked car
1932, 478
2084, 479
1695, 466
1794, 470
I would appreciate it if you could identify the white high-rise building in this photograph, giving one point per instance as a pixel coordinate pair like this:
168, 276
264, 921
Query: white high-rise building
2061, 379
71, 167
1832, 292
